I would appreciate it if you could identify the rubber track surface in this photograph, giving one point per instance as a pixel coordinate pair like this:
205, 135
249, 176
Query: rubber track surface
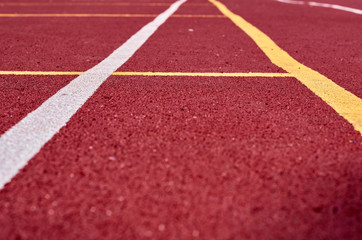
187, 157
317, 37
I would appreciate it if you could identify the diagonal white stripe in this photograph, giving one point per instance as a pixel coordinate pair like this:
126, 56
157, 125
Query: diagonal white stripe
326, 5
21, 142
292, 2
335, 6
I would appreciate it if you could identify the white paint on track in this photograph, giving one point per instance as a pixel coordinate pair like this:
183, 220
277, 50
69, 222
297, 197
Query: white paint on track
334, 6
326, 5
292, 2
25, 139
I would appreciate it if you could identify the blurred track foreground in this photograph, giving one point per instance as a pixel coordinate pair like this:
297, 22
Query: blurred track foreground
180, 119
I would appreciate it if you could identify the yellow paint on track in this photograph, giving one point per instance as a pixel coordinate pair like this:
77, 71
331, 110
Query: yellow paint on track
166, 74
198, 16
26, 4
343, 102
202, 74
105, 15
40, 73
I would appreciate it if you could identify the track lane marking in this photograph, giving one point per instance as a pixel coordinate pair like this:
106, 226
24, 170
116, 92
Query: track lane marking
335, 6
325, 5
343, 102
25, 139
105, 15
292, 2
25, 4
197, 16
185, 74
202, 74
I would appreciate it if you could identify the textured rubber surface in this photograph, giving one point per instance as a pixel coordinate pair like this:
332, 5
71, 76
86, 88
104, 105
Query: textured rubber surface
324, 39
200, 45
20, 95
56, 44
188, 157
218, 158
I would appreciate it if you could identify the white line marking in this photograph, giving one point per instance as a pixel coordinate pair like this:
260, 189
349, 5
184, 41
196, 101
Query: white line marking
292, 2
326, 5
335, 6
21, 142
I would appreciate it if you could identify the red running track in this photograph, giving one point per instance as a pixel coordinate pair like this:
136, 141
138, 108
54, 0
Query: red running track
323, 39
50, 44
190, 157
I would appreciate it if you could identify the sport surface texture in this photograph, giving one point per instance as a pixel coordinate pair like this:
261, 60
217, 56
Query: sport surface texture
184, 157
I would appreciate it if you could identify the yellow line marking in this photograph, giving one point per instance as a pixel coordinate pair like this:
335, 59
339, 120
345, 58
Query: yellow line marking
181, 74
25, 4
33, 73
198, 16
103, 15
202, 74
343, 102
